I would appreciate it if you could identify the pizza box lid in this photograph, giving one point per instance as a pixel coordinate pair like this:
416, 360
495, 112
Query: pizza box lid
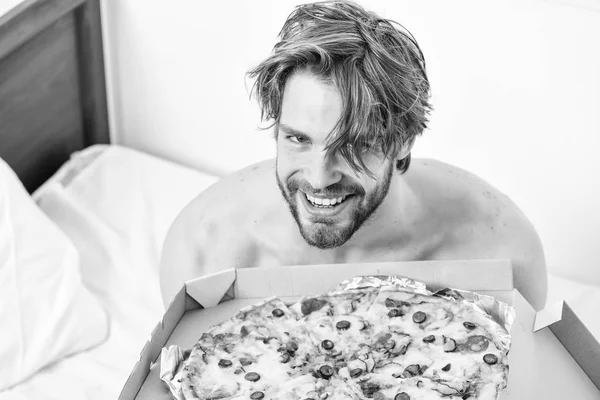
577, 332
215, 297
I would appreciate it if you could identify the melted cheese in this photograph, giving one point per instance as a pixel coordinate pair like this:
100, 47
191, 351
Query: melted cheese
382, 347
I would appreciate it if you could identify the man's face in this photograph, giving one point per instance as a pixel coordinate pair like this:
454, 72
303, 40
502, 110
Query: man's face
328, 200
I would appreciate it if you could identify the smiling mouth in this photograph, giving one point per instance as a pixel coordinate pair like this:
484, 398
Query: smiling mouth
326, 203
329, 202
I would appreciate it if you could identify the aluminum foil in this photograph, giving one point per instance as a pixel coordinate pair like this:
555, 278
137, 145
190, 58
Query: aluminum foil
171, 365
377, 281
503, 314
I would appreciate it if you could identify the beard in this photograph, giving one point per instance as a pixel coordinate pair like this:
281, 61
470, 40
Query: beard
325, 232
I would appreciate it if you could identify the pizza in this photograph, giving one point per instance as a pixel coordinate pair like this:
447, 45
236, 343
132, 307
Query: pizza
379, 343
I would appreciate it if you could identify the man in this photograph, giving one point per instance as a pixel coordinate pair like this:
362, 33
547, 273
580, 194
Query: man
347, 94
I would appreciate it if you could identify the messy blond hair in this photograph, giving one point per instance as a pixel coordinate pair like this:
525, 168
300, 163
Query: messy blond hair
375, 63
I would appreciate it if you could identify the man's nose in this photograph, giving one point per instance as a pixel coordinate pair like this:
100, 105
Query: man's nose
323, 171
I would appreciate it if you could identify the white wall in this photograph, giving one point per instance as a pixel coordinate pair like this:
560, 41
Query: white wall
516, 90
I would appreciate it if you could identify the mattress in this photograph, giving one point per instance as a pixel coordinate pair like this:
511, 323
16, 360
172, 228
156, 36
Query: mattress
116, 205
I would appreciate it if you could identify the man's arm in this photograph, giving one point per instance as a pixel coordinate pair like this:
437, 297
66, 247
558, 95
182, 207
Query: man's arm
529, 266
203, 239
180, 259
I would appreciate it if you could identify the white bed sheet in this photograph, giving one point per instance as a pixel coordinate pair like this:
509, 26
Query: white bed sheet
116, 205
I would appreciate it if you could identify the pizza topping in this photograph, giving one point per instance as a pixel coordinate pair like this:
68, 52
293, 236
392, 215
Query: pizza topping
366, 360
252, 376
389, 345
394, 312
238, 371
384, 338
477, 343
205, 337
490, 359
327, 344
257, 395
411, 370
447, 367
429, 339
245, 361
244, 331
285, 357
268, 339
379, 396
225, 363
365, 325
354, 305
385, 343
369, 388
469, 325
449, 345
356, 367
310, 305
402, 350
342, 325
291, 347
419, 317
326, 371
402, 396
392, 303
278, 313
228, 348
370, 364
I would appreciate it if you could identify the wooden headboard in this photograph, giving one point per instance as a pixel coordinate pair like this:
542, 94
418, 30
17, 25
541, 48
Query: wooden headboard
52, 85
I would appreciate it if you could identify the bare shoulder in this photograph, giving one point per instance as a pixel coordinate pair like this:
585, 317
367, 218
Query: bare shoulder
222, 209
231, 197
490, 225
210, 234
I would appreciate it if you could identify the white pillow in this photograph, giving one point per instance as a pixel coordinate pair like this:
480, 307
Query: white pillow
45, 311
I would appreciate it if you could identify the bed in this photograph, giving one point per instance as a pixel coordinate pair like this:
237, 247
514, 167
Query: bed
84, 219
115, 206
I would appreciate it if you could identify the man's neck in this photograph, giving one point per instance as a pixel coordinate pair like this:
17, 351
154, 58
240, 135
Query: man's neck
395, 223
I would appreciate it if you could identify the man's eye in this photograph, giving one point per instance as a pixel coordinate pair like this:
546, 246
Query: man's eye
373, 148
368, 148
296, 139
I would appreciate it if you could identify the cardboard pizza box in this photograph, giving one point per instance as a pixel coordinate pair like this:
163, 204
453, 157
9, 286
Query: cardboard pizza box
540, 366
576, 333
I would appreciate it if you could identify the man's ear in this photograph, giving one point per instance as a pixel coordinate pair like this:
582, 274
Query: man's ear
405, 150
403, 157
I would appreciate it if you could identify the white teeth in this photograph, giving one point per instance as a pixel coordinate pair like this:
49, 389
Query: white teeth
324, 202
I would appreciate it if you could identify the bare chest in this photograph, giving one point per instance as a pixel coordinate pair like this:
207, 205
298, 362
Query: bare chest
476, 241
